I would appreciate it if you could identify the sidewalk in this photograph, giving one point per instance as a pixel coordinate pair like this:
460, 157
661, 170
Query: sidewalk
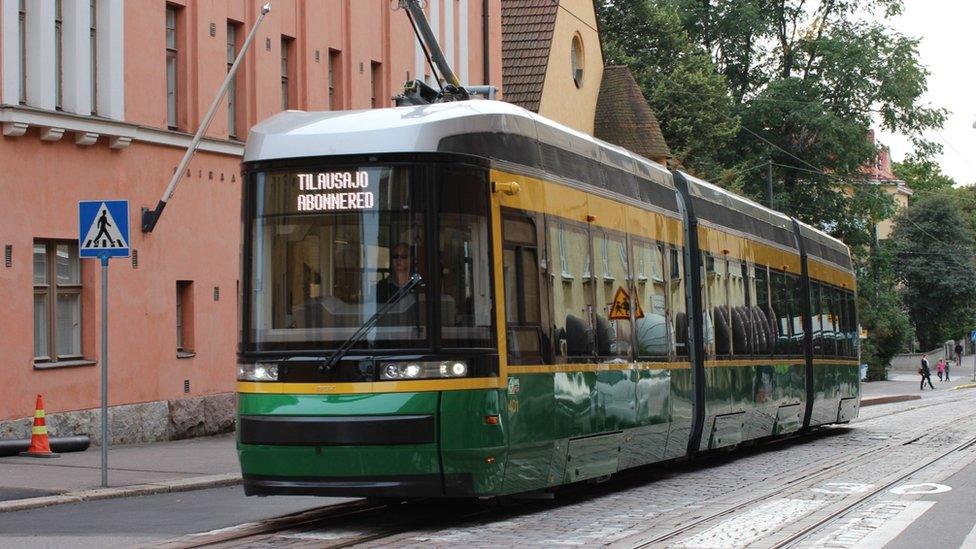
134, 469
902, 385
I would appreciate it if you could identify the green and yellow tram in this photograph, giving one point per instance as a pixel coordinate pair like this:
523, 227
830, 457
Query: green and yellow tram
467, 299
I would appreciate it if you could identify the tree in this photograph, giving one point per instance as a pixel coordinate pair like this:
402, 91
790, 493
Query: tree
809, 78
922, 174
678, 80
880, 313
935, 264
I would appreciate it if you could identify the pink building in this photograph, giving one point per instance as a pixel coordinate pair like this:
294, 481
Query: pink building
98, 100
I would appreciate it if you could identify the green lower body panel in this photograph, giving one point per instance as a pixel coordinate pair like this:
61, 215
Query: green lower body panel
833, 387
592, 457
384, 444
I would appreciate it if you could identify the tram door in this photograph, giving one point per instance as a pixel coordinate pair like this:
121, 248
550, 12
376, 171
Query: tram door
529, 394
523, 311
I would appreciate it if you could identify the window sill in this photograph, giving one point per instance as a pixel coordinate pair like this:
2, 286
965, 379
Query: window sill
64, 364
185, 354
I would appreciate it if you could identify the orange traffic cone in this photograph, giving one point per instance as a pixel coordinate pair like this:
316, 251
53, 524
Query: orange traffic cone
39, 445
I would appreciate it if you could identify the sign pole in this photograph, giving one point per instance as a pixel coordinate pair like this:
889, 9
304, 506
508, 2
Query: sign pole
103, 233
105, 438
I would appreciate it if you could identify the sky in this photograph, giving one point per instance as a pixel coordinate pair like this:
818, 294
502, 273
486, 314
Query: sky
948, 49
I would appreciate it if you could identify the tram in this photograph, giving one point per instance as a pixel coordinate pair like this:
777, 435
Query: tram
467, 299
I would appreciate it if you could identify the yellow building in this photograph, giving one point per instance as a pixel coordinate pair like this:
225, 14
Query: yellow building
552, 64
552, 59
880, 174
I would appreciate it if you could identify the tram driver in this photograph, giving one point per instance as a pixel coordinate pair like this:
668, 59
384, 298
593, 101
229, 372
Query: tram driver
399, 273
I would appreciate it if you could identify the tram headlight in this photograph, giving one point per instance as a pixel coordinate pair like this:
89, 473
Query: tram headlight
258, 371
391, 371
459, 369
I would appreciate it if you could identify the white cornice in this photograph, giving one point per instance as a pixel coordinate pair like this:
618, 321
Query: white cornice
17, 118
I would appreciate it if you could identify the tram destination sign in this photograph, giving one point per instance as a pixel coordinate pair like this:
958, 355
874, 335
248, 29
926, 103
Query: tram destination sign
335, 191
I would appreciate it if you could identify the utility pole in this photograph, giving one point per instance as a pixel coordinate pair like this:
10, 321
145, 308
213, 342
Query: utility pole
769, 182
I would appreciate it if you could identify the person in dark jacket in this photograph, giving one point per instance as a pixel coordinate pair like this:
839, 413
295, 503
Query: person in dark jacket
399, 273
926, 374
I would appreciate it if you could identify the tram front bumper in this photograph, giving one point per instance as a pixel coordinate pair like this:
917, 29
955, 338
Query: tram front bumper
379, 444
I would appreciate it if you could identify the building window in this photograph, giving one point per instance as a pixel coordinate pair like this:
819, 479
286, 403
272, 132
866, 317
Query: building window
57, 301
93, 46
577, 61
232, 114
184, 318
58, 54
22, 27
374, 84
172, 73
286, 59
334, 71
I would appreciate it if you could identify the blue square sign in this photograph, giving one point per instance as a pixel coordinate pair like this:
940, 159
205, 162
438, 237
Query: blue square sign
103, 228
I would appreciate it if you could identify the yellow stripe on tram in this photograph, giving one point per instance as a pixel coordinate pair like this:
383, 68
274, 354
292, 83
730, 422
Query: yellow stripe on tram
420, 385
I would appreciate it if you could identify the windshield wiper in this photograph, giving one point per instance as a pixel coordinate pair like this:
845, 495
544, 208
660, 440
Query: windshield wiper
415, 279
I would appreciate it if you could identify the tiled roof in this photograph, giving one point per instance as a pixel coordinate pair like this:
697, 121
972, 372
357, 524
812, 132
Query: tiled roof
624, 118
527, 29
880, 172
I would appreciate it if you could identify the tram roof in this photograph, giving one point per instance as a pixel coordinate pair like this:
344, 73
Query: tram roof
423, 128
297, 134
817, 243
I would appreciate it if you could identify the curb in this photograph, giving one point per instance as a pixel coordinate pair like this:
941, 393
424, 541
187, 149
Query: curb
965, 386
888, 399
176, 485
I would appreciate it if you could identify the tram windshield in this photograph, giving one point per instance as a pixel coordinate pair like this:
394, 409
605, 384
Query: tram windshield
327, 248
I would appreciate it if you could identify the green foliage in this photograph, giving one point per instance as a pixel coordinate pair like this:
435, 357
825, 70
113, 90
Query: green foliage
798, 82
935, 264
922, 174
965, 198
678, 80
880, 313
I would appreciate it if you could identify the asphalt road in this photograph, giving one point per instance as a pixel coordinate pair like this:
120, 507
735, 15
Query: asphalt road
141, 521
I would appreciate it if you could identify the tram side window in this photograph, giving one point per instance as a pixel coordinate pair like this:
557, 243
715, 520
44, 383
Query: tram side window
520, 265
796, 340
838, 313
650, 296
574, 334
853, 334
613, 329
677, 302
818, 312
740, 322
465, 285
782, 298
717, 324
762, 314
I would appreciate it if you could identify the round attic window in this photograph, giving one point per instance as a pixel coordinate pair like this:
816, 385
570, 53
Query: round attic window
577, 61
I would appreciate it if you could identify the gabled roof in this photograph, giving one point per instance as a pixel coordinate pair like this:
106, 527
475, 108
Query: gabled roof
624, 118
527, 29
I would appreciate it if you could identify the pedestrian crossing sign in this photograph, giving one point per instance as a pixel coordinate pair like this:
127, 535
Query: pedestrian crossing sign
103, 228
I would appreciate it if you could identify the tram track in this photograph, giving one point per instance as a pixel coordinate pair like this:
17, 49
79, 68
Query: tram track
277, 524
809, 476
863, 498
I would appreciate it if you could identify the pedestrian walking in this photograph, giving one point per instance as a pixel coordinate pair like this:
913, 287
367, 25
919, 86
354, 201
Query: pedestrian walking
946, 372
958, 354
940, 367
926, 374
